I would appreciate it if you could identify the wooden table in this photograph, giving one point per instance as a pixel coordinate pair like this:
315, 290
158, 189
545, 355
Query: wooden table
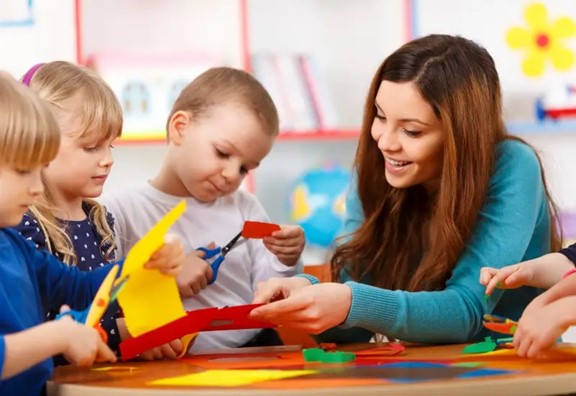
553, 375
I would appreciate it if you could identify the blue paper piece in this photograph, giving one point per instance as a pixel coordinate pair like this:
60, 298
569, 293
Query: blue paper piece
486, 373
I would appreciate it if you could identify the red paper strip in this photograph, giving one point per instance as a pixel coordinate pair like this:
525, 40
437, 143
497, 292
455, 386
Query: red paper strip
255, 229
391, 349
208, 319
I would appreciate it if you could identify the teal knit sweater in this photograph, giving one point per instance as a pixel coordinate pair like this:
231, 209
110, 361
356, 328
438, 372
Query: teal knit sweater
513, 226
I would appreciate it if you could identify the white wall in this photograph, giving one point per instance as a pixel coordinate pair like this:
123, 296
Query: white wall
48, 34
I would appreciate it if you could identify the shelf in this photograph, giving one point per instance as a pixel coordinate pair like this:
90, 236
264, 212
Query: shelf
319, 135
516, 128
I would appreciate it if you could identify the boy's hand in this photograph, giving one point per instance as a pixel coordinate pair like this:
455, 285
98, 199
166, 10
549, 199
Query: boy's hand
287, 244
195, 275
169, 259
170, 350
509, 277
82, 345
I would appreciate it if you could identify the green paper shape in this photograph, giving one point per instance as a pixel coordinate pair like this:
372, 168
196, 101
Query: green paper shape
468, 364
488, 345
313, 354
338, 357
319, 355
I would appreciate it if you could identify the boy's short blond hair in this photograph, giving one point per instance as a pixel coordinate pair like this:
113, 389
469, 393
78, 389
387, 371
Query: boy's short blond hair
29, 134
224, 84
99, 109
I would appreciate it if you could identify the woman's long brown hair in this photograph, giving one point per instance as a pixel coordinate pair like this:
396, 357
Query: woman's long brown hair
458, 78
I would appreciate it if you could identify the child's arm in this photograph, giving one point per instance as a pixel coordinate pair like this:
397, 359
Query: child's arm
566, 287
80, 344
542, 272
539, 328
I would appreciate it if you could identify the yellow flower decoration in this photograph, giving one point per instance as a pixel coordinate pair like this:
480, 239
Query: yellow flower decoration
542, 40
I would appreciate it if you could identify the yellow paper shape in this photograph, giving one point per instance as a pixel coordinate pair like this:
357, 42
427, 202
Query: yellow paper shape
102, 298
230, 377
187, 342
150, 299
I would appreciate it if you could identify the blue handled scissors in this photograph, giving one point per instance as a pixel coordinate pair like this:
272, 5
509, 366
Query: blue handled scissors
107, 293
218, 254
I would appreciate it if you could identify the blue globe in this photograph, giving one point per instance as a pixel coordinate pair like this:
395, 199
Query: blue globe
317, 203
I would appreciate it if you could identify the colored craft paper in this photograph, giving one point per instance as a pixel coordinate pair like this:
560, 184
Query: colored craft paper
229, 378
392, 349
488, 345
208, 319
187, 342
115, 368
255, 229
150, 299
102, 298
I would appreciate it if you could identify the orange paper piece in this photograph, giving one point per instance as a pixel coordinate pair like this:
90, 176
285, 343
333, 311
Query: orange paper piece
230, 378
256, 229
150, 299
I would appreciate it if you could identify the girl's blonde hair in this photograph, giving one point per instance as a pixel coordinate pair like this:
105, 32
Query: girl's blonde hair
29, 134
100, 114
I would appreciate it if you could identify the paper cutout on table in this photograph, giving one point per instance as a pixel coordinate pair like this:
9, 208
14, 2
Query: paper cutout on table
115, 368
391, 349
414, 371
150, 299
256, 229
208, 319
488, 345
499, 324
229, 378
321, 356
250, 350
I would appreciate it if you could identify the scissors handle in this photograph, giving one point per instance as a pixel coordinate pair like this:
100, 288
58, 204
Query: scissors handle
80, 317
210, 253
215, 265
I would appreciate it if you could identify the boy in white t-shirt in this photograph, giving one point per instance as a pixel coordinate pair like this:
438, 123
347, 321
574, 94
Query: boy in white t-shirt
222, 126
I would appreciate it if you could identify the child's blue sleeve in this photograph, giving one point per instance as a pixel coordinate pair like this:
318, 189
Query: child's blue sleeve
61, 284
2, 354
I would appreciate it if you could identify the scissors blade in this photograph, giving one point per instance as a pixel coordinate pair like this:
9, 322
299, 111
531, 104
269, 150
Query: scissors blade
117, 288
230, 244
